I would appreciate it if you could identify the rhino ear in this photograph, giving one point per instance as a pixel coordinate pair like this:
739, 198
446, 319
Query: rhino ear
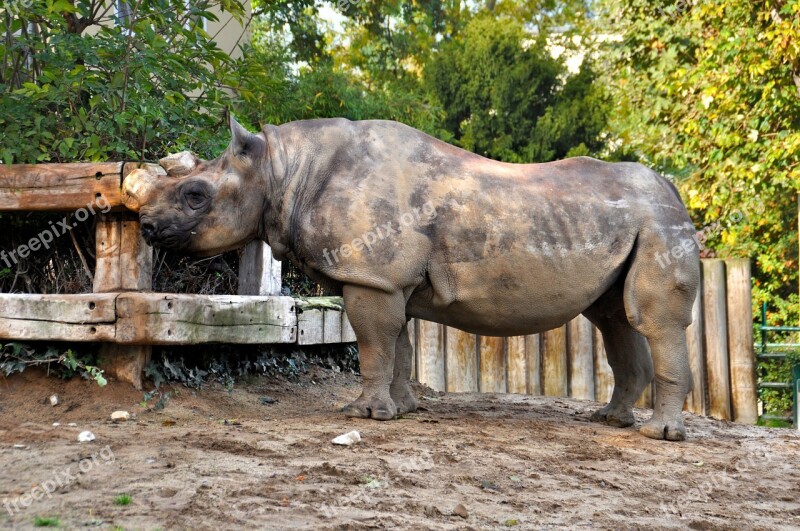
244, 144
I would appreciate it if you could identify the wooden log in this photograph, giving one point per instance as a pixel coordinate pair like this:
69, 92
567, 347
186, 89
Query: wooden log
348, 334
716, 323
744, 395
581, 358
124, 261
259, 272
533, 361
554, 355
430, 362
174, 319
60, 187
310, 327
603, 376
517, 365
696, 400
412, 338
30, 317
332, 326
492, 370
462, 361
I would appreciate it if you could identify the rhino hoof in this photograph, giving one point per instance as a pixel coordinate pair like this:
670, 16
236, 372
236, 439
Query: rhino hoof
658, 429
375, 408
614, 418
404, 400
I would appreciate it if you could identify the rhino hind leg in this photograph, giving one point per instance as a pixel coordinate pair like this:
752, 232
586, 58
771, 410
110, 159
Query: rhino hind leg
628, 356
400, 390
377, 318
658, 297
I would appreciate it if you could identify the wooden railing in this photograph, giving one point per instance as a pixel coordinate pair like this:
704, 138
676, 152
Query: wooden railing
128, 318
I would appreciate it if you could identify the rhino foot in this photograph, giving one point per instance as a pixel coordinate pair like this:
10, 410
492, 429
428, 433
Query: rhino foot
661, 429
403, 399
374, 408
613, 416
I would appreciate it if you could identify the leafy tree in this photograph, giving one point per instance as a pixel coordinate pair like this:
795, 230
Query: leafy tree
506, 97
709, 92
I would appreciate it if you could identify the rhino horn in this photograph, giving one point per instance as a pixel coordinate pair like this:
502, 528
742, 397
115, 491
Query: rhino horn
137, 188
179, 164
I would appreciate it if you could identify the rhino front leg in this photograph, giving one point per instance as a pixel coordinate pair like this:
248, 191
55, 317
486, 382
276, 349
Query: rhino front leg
400, 390
377, 318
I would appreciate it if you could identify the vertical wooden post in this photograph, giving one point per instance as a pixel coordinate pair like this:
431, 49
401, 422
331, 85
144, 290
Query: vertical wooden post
430, 362
492, 365
462, 368
259, 272
533, 361
517, 365
716, 321
581, 359
740, 341
696, 400
124, 262
555, 362
412, 337
604, 377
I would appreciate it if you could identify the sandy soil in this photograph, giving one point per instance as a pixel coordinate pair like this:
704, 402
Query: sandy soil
210, 460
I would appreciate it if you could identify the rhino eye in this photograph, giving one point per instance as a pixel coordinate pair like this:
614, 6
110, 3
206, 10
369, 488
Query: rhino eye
195, 199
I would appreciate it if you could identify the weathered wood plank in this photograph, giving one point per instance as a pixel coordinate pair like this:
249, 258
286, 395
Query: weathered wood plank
533, 360
259, 272
176, 319
412, 337
744, 395
310, 327
517, 365
554, 349
430, 362
492, 365
62, 187
581, 358
57, 317
462, 368
716, 336
332, 326
604, 377
696, 400
124, 260
348, 334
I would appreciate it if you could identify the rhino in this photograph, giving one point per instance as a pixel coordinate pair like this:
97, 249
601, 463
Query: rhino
404, 225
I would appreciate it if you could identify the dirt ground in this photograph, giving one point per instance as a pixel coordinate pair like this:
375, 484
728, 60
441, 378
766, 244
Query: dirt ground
214, 460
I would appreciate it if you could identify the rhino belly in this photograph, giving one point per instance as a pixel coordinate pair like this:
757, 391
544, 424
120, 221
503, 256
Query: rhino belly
519, 292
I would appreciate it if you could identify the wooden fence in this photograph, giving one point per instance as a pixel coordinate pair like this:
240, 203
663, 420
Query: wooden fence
127, 318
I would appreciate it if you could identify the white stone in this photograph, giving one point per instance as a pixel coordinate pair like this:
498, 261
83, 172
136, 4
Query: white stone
347, 439
120, 415
85, 436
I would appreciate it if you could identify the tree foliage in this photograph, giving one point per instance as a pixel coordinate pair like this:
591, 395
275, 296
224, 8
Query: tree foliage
709, 93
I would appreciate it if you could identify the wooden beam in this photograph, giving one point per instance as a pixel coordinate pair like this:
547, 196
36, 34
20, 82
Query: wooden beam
555, 362
57, 317
517, 365
173, 319
492, 365
310, 327
603, 376
462, 368
430, 361
259, 272
581, 358
533, 360
59, 187
744, 394
716, 327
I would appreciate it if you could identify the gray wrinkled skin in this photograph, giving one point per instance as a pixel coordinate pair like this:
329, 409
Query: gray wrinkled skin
404, 225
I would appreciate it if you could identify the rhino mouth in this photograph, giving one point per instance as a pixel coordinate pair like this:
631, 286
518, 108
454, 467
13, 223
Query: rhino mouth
167, 236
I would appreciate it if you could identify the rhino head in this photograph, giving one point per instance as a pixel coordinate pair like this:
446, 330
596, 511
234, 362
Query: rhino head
204, 207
